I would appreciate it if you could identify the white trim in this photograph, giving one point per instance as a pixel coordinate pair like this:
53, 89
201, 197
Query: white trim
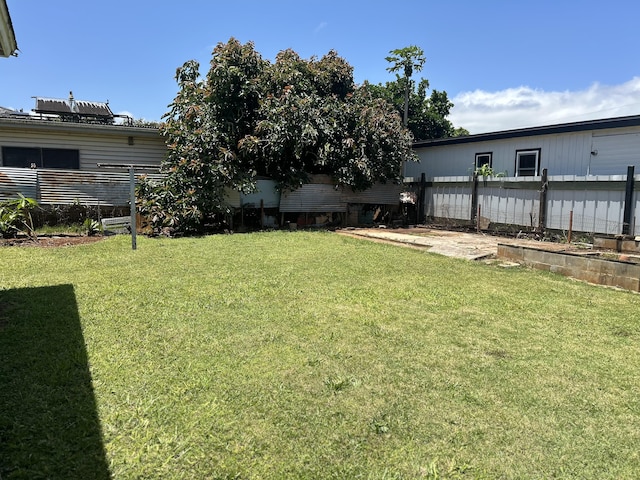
520, 153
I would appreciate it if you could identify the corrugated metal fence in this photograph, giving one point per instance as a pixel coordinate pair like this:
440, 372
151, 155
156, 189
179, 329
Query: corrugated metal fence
593, 204
66, 187
111, 188
323, 198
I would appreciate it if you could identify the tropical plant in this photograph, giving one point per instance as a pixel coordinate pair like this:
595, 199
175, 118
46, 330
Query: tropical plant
15, 217
484, 171
92, 227
406, 60
424, 115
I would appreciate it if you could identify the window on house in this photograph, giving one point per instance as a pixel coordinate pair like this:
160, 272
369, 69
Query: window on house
485, 158
527, 163
21, 157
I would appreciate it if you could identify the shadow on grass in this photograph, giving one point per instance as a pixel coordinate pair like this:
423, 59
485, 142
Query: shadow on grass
49, 425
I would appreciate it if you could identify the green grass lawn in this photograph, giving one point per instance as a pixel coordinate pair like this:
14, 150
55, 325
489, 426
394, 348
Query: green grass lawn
309, 355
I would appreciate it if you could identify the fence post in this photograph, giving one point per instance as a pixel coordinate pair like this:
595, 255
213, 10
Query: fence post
421, 197
542, 214
570, 226
474, 197
628, 201
132, 208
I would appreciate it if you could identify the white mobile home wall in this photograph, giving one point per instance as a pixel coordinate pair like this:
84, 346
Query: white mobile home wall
95, 143
586, 164
582, 153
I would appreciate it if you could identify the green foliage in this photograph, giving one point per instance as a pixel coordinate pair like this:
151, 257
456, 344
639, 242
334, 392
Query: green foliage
286, 120
15, 217
484, 171
142, 122
406, 60
92, 227
425, 116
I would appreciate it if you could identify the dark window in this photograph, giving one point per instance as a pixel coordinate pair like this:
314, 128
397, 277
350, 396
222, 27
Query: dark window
527, 163
60, 158
20, 157
485, 158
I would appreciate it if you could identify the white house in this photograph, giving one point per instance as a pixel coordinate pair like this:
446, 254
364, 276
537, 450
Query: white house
587, 186
595, 147
57, 162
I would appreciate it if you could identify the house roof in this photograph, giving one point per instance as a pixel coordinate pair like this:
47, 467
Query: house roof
617, 122
22, 121
8, 45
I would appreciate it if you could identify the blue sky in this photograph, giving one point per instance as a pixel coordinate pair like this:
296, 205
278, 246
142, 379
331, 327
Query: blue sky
505, 64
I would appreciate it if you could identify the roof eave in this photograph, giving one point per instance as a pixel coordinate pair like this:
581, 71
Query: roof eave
616, 122
58, 126
8, 44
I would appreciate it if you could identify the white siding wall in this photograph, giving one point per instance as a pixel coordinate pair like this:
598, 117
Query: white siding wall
561, 154
99, 144
616, 151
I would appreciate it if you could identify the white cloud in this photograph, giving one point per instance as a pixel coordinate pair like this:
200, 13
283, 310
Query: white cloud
322, 26
480, 111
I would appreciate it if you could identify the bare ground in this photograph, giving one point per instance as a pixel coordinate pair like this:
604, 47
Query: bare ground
50, 241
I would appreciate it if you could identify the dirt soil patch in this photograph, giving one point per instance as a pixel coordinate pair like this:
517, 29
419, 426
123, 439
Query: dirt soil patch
46, 241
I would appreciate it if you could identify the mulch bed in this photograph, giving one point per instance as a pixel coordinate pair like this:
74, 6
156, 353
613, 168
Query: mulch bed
50, 241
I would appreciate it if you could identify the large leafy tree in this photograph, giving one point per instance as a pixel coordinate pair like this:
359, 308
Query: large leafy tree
285, 119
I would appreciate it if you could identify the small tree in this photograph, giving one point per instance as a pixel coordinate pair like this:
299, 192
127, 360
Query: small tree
425, 116
406, 60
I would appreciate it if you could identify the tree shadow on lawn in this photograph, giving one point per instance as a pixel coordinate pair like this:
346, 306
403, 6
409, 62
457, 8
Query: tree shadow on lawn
49, 425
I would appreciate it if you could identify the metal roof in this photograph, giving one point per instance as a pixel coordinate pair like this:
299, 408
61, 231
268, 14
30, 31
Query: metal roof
617, 122
8, 45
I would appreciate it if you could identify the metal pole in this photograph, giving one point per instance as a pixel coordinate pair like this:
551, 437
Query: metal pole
132, 190
628, 202
421, 197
